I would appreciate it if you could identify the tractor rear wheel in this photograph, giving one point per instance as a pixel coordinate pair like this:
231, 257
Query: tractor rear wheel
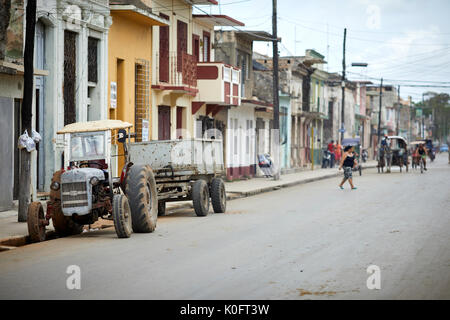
143, 198
36, 222
122, 216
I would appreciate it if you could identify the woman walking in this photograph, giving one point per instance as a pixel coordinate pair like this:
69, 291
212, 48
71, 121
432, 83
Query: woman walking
348, 161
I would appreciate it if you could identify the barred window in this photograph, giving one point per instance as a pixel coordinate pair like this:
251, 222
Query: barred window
92, 59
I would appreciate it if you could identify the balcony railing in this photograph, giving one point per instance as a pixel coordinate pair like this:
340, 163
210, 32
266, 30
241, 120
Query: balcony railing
175, 71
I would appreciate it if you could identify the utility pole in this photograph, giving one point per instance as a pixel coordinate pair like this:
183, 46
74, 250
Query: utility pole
398, 110
25, 156
343, 89
312, 148
379, 112
276, 102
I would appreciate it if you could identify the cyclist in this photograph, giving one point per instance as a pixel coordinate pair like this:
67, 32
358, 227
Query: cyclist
422, 152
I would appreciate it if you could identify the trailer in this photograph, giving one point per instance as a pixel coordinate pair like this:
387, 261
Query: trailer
189, 169
155, 172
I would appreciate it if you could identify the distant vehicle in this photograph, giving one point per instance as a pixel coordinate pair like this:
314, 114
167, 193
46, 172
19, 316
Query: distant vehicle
443, 148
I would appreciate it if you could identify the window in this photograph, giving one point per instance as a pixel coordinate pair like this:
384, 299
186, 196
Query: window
92, 59
235, 133
87, 146
70, 79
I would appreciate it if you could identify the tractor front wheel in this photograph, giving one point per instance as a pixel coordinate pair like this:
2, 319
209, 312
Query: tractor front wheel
36, 222
122, 216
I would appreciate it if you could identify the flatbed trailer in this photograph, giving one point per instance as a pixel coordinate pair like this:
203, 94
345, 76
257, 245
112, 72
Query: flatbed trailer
189, 169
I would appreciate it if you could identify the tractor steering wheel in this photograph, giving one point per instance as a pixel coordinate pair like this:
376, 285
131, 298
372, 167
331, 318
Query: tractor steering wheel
89, 164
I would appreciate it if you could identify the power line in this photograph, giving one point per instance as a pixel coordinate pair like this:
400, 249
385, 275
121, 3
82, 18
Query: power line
367, 40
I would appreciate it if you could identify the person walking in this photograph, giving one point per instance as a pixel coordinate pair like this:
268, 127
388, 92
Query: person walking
348, 162
332, 149
338, 152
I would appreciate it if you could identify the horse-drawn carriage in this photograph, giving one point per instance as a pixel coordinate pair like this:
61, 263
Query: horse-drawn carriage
395, 153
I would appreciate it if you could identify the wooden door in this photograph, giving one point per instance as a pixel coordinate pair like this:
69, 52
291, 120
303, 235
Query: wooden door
181, 43
196, 47
163, 123
39, 63
206, 46
164, 54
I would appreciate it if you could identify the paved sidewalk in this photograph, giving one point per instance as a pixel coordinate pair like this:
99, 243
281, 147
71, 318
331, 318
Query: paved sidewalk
13, 233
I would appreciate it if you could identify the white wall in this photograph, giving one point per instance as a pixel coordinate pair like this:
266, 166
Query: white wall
242, 158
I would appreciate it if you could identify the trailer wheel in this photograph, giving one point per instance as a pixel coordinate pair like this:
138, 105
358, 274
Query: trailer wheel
122, 216
143, 199
35, 221
64, 226
218, 195
200, 198
161, 208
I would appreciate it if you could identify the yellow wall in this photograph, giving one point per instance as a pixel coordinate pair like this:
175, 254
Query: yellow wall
129, 39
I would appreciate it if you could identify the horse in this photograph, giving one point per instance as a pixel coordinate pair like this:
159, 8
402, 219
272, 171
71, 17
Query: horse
381, 159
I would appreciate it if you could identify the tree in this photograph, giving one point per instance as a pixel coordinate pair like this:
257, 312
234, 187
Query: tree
25, 157
5, 15
438, 106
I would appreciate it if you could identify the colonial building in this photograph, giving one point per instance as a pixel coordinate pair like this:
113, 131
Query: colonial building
11, 93
236, 48
72, 47
130, 67
388, 111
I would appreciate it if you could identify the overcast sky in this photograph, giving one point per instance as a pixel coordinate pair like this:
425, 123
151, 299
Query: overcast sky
399, 39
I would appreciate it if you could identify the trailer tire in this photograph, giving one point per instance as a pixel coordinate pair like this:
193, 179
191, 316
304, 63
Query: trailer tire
143, 198
200, 198
218, 195
64, 226
36, 229
122, 216
161, 208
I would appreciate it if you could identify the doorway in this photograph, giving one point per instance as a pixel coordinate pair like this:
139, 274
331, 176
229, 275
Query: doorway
163, 123
39, 63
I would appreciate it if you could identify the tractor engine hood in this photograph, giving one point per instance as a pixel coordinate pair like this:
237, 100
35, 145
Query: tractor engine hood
76, 190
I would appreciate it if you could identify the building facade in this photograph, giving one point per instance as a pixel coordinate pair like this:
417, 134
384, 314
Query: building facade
130, 47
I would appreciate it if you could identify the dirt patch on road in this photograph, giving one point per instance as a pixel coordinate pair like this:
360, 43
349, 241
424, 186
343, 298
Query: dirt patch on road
303, 292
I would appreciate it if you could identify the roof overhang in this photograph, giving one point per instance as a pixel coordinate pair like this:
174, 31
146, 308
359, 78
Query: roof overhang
19, 69
200, 2
257, 103
218, 20
256, 35
132, 12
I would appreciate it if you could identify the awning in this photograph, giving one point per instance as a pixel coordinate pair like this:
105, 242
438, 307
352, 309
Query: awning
137, 14
218, 20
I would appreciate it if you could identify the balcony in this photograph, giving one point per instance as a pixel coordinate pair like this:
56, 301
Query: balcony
218, 84
177, 75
